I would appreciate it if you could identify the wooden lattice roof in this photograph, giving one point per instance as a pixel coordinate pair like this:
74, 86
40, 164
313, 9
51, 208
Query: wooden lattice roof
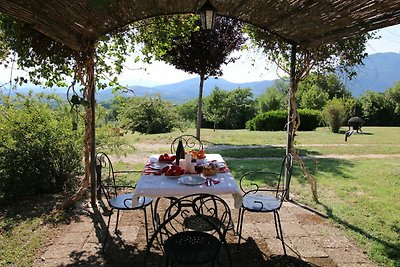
304, 22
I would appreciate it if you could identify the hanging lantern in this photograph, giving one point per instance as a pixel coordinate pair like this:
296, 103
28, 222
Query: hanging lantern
207, 12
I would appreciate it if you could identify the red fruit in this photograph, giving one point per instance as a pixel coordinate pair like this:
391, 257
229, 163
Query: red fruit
165, 169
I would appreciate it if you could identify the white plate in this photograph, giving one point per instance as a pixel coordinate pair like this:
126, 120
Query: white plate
191, 180
157, 166
219, 164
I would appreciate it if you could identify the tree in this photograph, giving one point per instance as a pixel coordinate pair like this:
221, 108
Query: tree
194, 50
393, 95
329, 83
377, 110
187, 111
240, 108
148, 115
315, 90
272, 99
313, 98
215, 109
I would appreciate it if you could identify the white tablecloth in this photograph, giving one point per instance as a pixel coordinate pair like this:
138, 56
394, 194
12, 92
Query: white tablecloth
163, 186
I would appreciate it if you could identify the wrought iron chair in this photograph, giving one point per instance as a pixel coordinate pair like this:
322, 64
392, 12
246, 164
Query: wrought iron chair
174, 234
267, 193
190, 142
117, 196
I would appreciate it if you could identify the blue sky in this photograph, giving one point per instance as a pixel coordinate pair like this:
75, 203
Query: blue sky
240, 71
243, 70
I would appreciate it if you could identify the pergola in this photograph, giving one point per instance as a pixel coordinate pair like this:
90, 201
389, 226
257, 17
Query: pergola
302, 23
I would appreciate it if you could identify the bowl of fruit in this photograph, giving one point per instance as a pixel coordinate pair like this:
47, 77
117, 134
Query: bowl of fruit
210, 169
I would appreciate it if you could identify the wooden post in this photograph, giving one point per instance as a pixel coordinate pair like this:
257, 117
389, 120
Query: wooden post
90, 130
290, 128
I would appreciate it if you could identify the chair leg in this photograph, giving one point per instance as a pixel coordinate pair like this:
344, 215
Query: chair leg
239, 227
276, 226
107, 230
145, 225
281, 232
116, 224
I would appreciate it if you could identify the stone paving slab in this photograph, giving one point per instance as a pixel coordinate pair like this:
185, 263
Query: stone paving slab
309, 238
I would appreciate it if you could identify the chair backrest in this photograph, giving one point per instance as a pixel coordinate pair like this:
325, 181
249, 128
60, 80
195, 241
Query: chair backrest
190, 142
265, 182
105, 176
202, 212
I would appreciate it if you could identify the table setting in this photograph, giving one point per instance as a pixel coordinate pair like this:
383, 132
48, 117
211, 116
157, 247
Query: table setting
165, 176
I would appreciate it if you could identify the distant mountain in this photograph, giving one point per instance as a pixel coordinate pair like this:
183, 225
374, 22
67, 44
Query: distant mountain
189, 89
380, 72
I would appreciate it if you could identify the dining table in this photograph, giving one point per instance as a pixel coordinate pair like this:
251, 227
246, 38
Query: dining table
155, 184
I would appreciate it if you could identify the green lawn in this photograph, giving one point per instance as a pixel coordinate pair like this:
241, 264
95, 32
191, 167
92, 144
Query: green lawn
360, 194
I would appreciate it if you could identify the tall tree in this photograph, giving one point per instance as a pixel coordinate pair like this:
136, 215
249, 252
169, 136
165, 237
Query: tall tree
393, 95
272, 99
241, 108
196, 51
215, 106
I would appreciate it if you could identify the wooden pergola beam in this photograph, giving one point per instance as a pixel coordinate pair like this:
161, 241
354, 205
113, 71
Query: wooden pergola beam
305, 22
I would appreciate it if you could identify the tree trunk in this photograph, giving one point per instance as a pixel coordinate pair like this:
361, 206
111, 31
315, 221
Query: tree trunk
199, 107
88, 80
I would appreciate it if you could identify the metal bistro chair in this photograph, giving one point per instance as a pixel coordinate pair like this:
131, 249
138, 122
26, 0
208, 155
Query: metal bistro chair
189, 142
267, 197
116, 196
178, 241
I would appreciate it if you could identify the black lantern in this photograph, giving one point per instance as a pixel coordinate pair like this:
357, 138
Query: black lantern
207, 13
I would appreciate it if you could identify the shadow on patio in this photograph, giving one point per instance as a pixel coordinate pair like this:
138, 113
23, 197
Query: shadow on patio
310, 239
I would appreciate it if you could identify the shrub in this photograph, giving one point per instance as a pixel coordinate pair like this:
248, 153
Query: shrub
310, 119
39, 152
334, 114
276, 120
268, 121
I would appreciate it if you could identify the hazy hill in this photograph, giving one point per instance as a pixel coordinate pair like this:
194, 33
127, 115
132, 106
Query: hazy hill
189, 89
379, 73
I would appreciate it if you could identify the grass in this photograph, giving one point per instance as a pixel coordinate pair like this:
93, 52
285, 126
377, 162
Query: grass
26, 226
361, 195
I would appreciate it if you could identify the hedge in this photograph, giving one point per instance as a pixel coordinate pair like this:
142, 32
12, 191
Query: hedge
277, 119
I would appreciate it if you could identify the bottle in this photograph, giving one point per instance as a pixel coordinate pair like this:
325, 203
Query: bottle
180, 151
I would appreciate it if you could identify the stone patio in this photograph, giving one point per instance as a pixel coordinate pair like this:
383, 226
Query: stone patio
311, 240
